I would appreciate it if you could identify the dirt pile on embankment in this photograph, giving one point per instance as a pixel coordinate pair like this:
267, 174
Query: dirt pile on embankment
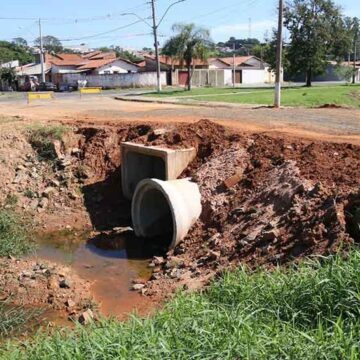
266, 200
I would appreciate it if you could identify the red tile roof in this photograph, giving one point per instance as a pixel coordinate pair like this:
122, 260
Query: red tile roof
102, 55
167, 60
239, 60
94, 64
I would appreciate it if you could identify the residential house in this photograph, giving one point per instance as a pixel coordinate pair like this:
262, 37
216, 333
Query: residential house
248, 69
108, 66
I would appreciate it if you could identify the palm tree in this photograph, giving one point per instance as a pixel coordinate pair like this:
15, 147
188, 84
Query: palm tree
190, 43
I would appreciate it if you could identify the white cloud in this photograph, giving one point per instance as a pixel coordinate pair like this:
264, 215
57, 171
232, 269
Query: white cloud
257, 28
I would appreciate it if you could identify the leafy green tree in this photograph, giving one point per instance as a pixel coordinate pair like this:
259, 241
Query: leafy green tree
189, 43
20, 41
7, 75
318, 33
50, 43
10, 51
353, 25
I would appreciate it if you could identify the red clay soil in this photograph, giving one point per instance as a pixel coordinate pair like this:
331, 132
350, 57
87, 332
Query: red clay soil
266, 200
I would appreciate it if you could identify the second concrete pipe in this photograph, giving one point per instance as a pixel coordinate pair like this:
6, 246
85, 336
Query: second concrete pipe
165, 208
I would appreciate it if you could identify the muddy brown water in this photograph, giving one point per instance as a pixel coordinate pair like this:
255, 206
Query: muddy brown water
110, 263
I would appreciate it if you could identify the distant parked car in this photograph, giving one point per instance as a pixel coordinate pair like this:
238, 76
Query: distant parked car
47, 86
66, 87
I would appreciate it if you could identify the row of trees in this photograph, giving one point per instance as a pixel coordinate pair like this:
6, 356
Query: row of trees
318, 33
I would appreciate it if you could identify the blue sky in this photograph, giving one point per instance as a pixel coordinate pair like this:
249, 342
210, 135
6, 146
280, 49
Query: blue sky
75, 19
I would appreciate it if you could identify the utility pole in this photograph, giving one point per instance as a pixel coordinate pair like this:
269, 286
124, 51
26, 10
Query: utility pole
156, 44
354, 64
154, 26
277, 101
234, 71
41, 54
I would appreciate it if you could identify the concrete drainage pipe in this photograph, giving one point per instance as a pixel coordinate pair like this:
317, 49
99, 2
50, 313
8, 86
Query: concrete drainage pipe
165, 208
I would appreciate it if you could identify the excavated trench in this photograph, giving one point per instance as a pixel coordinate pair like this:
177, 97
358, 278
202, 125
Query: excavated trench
265, 201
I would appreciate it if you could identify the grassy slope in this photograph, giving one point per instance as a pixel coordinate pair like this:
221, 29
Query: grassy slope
348, 95
306, 313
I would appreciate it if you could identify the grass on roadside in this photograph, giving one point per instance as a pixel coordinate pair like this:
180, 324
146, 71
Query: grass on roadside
341, 95
42, 139
14, 319
14, 234
306, 312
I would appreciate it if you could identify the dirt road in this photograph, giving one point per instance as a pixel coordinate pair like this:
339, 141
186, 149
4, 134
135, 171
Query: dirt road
326, 124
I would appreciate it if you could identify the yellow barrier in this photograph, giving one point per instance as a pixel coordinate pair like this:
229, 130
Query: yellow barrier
39, 96
91, 90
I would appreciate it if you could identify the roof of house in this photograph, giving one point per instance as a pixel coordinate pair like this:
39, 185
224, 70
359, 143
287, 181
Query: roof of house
94, 64
167, 60
91, 54
32, 69
64, 59
103, 55
239, 60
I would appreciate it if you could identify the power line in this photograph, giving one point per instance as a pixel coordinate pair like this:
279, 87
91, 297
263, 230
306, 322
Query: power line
77, 19
102, 33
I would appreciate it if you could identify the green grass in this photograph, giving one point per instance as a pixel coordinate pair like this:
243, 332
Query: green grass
309, 312
15, 236
14, 319
42, 138
342, 95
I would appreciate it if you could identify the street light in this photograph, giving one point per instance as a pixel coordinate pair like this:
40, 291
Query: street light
155, 27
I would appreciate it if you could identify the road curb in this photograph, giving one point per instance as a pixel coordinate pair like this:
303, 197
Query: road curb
188, 103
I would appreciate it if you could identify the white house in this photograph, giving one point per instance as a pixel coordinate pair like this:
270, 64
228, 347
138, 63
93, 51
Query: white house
248, 69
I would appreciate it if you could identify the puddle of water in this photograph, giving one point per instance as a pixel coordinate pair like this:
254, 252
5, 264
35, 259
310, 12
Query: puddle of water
109, 262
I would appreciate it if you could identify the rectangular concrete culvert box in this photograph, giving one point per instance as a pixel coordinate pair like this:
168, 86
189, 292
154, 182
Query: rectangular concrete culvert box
140, 162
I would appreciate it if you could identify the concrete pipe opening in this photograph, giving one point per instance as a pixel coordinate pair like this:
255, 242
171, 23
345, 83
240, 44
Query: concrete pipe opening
165, 209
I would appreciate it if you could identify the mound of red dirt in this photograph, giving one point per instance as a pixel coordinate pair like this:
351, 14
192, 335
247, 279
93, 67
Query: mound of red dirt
266, 201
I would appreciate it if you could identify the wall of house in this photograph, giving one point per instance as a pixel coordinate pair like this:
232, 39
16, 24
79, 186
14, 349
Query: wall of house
269, 76
116, 67
55, 69
127, 80
253, 76
205, 77
216, 64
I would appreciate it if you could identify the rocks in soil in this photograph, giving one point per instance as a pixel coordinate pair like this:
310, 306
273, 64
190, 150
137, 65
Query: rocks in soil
137, 287
86, 317
29, 283
65, 283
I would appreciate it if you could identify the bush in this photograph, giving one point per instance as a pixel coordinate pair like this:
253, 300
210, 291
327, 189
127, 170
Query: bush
42, 139
15, 239
306, 312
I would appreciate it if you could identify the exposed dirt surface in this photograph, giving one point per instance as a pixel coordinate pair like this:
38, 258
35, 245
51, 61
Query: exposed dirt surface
266, 201
27, 282
267, 198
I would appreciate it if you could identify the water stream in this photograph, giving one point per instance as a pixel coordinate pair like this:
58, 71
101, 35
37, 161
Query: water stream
109, 262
